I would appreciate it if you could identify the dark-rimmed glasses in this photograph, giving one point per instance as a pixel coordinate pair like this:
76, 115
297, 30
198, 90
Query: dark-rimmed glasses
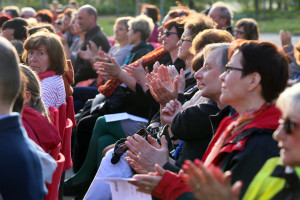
288, 125
183, 39
229, 69
168, 33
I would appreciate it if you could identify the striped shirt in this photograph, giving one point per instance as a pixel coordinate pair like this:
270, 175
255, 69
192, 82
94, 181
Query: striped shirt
53, 91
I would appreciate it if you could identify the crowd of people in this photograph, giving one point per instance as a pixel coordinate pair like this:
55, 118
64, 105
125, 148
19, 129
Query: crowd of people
211, 111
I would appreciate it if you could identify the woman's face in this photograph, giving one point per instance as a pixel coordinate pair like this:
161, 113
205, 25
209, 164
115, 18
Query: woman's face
288, 137
38, 59
75, 28
184, 45
121, 32
170, 39
234, 86
239, 33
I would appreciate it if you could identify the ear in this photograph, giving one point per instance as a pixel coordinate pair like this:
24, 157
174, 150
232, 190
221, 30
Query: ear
254, 81
27, 99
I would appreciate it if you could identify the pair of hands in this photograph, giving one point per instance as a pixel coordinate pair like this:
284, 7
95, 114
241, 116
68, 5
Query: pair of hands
165, 83
94, 54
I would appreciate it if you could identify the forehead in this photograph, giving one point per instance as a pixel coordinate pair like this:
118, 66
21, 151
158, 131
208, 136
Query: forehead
82, 12
212, 57
186, 33
214, 12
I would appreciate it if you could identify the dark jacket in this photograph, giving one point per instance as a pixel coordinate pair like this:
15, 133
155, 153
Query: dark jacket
83, 69
138, 51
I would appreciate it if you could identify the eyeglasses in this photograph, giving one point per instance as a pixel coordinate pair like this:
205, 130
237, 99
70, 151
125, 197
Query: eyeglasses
229, 69
239, 32
168, 33
288, 125
183, 39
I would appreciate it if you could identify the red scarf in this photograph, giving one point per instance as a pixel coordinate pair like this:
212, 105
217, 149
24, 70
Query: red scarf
150, 58
46, 74
233, 128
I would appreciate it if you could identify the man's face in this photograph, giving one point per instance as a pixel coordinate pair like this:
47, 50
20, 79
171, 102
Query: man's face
85, 20
215, 14
8, 33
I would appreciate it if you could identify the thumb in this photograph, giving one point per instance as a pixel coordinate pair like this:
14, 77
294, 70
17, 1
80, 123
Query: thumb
159, 169
146, 70
113, 60
164, 143
236, 190
175, 85
181, 73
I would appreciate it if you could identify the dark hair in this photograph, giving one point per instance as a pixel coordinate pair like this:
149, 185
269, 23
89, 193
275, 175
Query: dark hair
197, 62
250, 28
19, 103
19, 26
45, 15
40, 27
265, 59
4, 18
196, 23
178, 13
55, 50
177, 23
14, 11
10, 82
152, 12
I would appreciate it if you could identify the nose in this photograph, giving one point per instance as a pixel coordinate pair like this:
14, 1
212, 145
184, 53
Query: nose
223, 76
179, 43
198, 75
279, 134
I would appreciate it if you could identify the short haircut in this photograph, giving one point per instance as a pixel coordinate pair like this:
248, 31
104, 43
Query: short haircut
123, 20
14, 11
19, 26
55, 50
40, 27
225, 11
289, 101
45, 15
209, 36
153, 12
4, 18
28, 9
90, 10
250, 28
10, 82
196, 23
197, 62
142, 24
177, 23
266, 59
222, 59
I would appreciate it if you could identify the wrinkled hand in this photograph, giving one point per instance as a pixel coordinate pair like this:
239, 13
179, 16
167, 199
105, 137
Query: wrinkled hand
209, 183
147, 182
110, 70
137, 72
286, 39
89, 53
170, 111
102, 56
145, 154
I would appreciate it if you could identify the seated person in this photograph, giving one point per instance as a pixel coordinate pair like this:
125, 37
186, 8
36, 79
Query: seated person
246, 28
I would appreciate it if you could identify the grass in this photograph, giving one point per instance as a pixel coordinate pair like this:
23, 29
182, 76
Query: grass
265, 26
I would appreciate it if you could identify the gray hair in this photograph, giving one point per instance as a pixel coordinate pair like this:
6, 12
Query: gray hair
289, 101
142, 24
225, 11
222, 60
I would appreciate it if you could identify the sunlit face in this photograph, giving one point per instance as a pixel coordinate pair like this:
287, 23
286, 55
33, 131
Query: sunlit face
75, 28
161, 28
234, 86
8, 33
215, 14
38, 59
289, 143
208, 77
85, 20
184, 45
133, 37
170, 39
239, 33
66, 23
121, 32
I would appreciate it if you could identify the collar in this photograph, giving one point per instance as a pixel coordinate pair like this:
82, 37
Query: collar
139, 46
46, 74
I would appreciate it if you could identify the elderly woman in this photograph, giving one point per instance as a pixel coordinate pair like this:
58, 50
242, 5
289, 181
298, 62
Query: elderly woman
247, 29
44, 54
244, 141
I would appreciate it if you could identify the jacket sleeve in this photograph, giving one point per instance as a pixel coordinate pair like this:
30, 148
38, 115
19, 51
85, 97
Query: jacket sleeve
165, 190
193, 122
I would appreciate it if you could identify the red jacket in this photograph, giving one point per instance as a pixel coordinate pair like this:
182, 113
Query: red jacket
39, 129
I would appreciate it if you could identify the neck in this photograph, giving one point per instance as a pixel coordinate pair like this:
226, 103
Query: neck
249, 103
173, 54
123, 43
4, 109
137, 43
188, 62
